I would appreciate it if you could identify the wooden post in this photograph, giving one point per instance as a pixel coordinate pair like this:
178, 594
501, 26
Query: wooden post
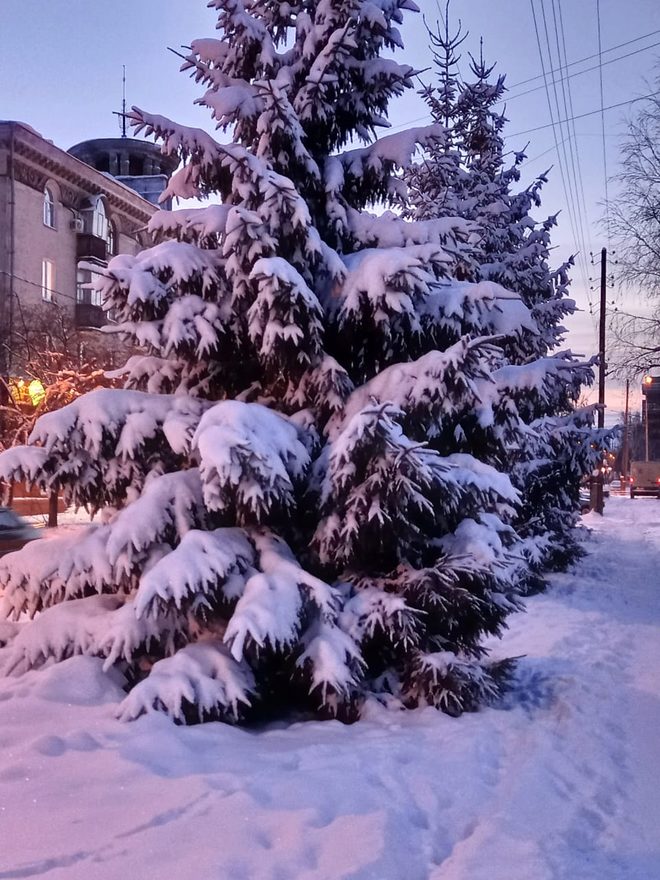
601, 372
625, 452
52, 509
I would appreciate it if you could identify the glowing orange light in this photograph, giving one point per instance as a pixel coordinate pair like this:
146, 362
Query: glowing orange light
36, 391
27, 393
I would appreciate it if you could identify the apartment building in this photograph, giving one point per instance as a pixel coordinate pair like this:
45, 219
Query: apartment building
60, 209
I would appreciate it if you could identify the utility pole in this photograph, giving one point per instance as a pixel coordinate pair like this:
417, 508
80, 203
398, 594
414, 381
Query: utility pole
626, 438
598, 507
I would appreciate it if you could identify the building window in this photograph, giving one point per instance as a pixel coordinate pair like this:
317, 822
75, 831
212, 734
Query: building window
111, 239
99, 220
47, 280
83, 292
49, 209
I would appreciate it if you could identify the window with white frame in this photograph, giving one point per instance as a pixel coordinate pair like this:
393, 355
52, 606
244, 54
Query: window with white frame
47, 280
111, 239
100, 220
83, 292
49, 208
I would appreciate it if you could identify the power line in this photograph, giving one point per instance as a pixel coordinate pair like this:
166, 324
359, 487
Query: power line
523, 82
584, 115
569, 158
602, 124
39, 286
577, 73
427, 116
572, 112
562, 173
553, 71
541, 155
573, 143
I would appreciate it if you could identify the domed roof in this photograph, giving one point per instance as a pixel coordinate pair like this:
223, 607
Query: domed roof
123, 157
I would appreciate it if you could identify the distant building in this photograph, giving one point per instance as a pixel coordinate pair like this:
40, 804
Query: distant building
138, 164
59, 209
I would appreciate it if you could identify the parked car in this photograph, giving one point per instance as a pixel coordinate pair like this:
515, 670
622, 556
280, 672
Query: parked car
14, 531
585, 499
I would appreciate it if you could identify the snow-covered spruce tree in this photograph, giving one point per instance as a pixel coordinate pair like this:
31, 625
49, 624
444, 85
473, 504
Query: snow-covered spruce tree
301, 506
467, 175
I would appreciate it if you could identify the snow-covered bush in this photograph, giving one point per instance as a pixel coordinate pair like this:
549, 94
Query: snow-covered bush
303, 503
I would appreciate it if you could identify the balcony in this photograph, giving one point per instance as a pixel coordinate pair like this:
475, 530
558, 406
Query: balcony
91, 247
89, 316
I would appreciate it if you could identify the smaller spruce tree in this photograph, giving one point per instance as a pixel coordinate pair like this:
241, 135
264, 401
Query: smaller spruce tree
467, 175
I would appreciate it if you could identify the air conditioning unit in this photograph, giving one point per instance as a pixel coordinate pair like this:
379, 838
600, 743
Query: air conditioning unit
77, 224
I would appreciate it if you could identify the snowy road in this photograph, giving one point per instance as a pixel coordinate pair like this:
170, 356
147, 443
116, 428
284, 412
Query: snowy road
562, 785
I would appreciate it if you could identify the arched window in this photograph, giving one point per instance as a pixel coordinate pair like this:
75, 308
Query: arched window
111, 239
99, 220
49, 208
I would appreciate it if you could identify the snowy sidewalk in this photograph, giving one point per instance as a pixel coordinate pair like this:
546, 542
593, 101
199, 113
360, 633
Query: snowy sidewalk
564, 785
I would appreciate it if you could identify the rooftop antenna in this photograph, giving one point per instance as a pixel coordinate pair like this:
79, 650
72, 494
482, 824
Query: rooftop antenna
122, 115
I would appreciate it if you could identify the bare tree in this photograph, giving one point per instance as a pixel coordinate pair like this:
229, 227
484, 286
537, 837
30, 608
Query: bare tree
634, 220
54, 366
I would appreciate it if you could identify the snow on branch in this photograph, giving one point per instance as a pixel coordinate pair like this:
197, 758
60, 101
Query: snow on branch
376, 314
229, 169
449, 681
103, 558
193, 328
209, 51
270, 610
119, 418
370, 611
480, 309
202, 682
331, 660
96, 625
546, 382
201, 566
202, 226
155, 375
100, 447
181, 139
168, 507
142, 286
377, 489
251, 459
285, 319
479, 545
324, 387
440, 385
381, 492
384, 282
30, 578
393, 151
23, 463
389, 230
474, 475
231, 100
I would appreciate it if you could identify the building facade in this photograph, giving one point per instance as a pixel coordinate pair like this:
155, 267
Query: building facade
58, 212
651, 417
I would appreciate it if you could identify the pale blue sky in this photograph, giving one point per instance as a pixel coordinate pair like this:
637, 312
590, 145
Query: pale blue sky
61, 63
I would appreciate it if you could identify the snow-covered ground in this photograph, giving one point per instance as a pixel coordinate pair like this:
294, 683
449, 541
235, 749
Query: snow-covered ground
563, 783
67, 517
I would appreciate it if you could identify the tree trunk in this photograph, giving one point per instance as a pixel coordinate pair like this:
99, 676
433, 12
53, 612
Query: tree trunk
52, 509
